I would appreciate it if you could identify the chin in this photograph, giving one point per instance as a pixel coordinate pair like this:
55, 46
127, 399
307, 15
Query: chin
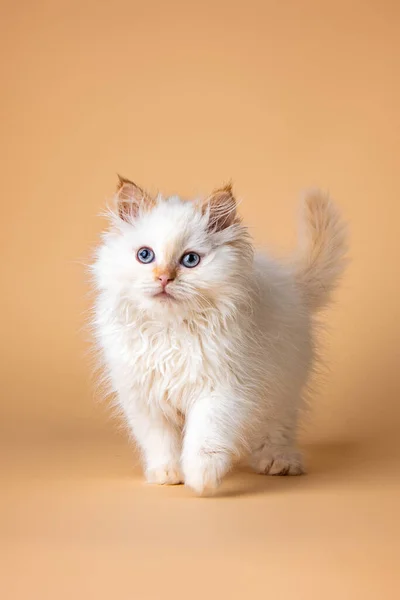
164, 297
169, 306
160, 305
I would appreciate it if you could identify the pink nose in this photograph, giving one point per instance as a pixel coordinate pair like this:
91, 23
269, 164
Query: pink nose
164, 279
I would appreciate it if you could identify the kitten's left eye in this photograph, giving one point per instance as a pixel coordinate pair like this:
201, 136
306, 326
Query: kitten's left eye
190, 260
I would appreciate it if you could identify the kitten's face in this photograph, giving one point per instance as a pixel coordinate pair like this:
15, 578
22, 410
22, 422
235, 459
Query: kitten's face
169, 256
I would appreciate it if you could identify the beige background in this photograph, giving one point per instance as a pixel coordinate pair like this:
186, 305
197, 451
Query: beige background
181, 96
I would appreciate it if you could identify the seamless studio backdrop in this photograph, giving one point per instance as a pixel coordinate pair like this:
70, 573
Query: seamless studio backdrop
181, 97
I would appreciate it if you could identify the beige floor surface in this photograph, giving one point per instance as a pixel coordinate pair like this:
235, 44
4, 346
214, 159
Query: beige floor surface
79, 522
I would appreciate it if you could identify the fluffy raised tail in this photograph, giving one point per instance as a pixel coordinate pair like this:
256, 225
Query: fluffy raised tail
321, 256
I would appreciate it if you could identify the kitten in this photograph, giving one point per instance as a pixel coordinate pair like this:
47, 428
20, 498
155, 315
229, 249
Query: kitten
207, 346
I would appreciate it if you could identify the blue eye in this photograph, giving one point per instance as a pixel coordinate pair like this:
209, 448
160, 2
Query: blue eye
190, 260
145, 255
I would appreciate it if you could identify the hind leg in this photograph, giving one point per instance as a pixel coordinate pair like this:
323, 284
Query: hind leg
275, 451
275, 459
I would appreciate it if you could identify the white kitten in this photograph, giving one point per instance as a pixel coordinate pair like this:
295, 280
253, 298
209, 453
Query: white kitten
208, 347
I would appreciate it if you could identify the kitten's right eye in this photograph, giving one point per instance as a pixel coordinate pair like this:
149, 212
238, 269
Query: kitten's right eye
145, 255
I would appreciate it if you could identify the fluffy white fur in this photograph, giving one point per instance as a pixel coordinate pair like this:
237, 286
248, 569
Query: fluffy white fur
215, 372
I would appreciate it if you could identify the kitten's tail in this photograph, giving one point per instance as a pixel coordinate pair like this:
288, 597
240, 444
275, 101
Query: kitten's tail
321, 256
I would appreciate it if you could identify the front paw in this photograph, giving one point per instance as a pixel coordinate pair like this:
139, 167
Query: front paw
164, 475
204, 471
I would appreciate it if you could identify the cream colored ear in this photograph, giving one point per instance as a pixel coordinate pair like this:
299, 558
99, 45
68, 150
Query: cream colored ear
221, 206
130, 198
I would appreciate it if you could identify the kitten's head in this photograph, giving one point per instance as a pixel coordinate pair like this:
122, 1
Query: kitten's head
170, 256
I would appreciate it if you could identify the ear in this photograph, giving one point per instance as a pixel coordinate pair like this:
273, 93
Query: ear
221, 207
130, 198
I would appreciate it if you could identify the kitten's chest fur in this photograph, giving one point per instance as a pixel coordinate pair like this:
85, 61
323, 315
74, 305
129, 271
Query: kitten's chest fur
170, 365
